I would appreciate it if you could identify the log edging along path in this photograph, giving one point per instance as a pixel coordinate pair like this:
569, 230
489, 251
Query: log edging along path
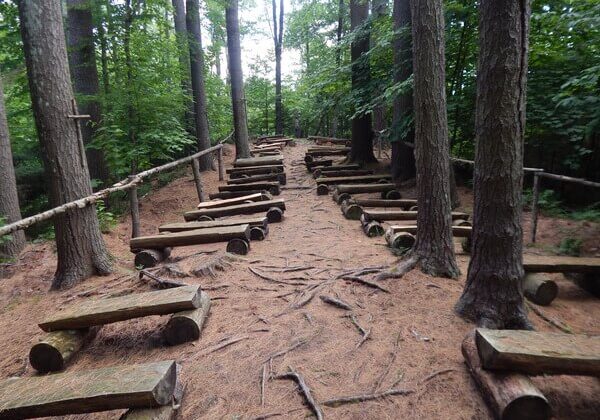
124, 185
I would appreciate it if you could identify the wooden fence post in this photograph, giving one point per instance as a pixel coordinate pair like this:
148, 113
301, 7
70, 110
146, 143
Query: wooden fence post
198, 180
135, 210
221, 165
534, 205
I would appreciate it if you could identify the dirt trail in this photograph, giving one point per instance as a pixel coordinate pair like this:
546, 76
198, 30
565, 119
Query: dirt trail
413, 330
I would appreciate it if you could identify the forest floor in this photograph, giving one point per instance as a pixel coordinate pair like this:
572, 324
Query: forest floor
414, 341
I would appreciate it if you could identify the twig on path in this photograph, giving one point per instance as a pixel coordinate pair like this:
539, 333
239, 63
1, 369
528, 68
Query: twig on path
291, 374
274, 280
160, 283
563, 328
294, 346
263, 379
336, 402
381, 378
434, 374
365, 333
336, 302
366, 283
224, 343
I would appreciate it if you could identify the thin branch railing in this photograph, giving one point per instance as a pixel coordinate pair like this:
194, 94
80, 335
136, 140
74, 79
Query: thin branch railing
130, 184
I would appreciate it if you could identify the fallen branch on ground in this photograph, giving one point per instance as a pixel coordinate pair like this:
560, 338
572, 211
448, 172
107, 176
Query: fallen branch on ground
160, 283
291, 374
336, 402
336, 302
365, 333
224, 343
563, 328
434, 374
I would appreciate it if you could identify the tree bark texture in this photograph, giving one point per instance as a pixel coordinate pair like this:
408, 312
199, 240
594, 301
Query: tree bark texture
278, 42
192, 19
179, 21
9, 200
80, 248
493, 294
362, 131
434, 247
238, 100
403, 156
82, 63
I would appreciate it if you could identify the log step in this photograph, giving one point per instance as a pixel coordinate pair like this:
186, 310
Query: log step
236, 200
247, 208
365, 188
405, 203
552, 264
235, 194
383, 215
192, 237
319, 164
110, 388
458, 231
182, 227
342, 173
258, 161
272, 187
187, 325
538, 353
94, 312
254, 170
276, 177
360, 179
55, 350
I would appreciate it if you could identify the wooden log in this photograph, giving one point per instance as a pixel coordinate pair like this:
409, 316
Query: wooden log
361, 179
258, 233
271, 187
323, 169
319, 139
344, 173
256, 170
276, 177
275, 215
238, 246
400, 240
55, 349
391, 195
510, 396
234, 194
351, 211
134, 209
587, 281
246, 208
384, 215
93, 312
267, 153
461, 222
164, 412
322, 189
109, 388
538, 353
198, 181
371, 228
557, 264
413, 208
313, 164
341, 151
221, 164
377, 202
458, 231
192, 237
258, 161
146, 258
339, 198
187, 325
236, 200
365, 188
539, 289
308, 159
260, 222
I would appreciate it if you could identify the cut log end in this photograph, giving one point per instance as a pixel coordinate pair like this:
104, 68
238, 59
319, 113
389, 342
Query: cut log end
186, 326
351, 211
461, 222
147, 258
257, 234
57, 348
205, 219
539, 289
308, 159
392, 195
322, 189
373, 229
400, 240
274, 215
238, 246
413, 208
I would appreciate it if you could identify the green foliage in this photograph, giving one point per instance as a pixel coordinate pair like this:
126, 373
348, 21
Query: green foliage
4, 239
108, 221
570, 246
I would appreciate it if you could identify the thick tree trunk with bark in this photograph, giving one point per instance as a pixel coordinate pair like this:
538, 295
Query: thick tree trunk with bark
238, 100
338, 61
192, 20
434, 247
403, 156
493, 295
278, 42
9, 200
80, 247
82, 63
181, 34
362, 131
379, 9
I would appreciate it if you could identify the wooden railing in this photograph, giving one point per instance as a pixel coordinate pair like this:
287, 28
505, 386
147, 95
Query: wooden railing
130, 184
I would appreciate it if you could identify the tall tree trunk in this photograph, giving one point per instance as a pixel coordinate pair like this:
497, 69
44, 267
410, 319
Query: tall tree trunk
379, 9
493, 295
9, 200
403, 156
130, 13
82, 63
242, 147
434, 247
338, 62
181, 35
362, 131
278, 42
80, 247
192, 20
103, 55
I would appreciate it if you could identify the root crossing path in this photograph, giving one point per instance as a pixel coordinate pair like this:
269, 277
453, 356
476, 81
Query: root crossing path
287, 336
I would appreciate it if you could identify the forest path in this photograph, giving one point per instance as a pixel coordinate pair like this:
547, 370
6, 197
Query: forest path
414, 332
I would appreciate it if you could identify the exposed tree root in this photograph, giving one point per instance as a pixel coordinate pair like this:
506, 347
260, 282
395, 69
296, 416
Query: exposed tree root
217, 262
393, 355
400, 270
314, 406
366, 283
274, 280
336, 402
560, 326
159, 283
224, 343
169, 270
434, 374
336, 302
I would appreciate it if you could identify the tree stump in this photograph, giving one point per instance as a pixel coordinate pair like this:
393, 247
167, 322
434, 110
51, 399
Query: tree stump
539, 289
147, 258
238, 246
